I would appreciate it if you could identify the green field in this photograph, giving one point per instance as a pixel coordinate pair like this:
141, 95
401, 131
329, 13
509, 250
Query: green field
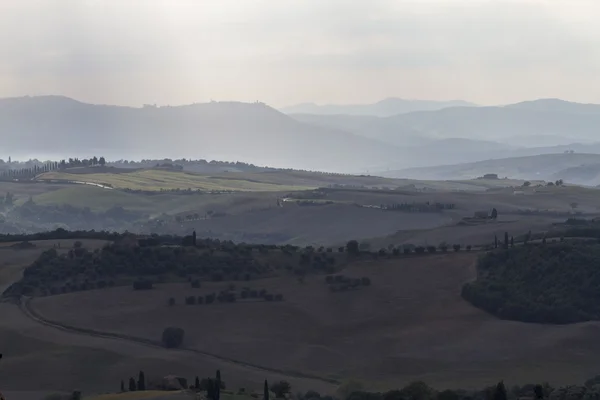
156, 180
98, 199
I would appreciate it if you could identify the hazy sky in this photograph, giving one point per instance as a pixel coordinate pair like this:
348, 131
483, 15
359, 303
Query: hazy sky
289, 51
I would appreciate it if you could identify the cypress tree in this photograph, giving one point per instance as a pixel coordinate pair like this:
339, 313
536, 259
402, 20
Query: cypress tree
194, 237
132, 385
141, 385
266, 391
210, 389
500, 391
218, 386
539, 392
495, 241
512, 241
122, 386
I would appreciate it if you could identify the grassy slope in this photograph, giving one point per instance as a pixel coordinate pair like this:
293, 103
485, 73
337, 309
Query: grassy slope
411, 324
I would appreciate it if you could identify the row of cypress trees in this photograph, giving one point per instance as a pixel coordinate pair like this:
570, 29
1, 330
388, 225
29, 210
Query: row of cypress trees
133, 385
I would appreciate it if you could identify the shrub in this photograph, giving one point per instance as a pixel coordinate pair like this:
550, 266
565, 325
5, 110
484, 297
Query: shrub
431, 249
311, 394
352, 247
172, 337
406, 250
469, 247
171, 302
456, 247
420, 249
195, 284
281, 388
365, 281
200, 300
190, 300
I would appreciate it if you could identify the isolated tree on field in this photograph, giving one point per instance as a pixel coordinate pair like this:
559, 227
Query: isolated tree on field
141, 385
352, 247
132, 386
494, 213
266, 391
122, 386
499, 391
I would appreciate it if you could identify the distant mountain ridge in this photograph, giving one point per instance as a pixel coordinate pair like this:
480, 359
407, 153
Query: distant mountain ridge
553, 121
52, 127
384, 108
249, 132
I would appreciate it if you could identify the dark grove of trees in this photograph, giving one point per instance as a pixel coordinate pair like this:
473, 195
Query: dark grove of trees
545, 283
127, 262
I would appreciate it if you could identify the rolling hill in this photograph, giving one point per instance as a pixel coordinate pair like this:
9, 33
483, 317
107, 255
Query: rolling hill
541, 117
59, 126
383, 108
539, 167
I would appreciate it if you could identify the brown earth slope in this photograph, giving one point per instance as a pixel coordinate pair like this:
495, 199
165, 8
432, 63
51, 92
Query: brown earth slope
410, 324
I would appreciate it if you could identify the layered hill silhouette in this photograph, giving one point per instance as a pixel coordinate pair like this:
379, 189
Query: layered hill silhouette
384, 108
552, 121
254, 132
220, 130
571, 167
